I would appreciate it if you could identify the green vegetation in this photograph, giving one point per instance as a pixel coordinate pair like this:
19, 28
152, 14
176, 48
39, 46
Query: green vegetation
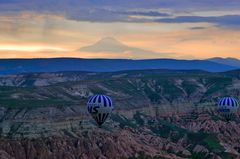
124, 86
28, 97
212, 143
153, 96
217, 84
138, 117
189, 87
166, 129
170, 89
208, 140
123, 121
226, 155
171, 131
198, 156
14, 128
142, 155
9, 103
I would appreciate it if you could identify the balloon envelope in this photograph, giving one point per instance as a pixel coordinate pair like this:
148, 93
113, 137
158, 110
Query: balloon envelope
100, 107
228, 107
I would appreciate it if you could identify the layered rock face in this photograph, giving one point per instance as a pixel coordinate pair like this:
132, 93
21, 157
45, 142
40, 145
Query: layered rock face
175, 136
91, 145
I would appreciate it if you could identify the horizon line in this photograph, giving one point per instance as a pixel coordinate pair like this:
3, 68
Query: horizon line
33, 58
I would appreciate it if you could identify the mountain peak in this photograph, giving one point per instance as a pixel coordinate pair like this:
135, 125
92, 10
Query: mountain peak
107, 44
109, 41
118, 49
223, 58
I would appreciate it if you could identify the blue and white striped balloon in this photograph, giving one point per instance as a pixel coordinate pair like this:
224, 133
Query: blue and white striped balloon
100, 107
228, 106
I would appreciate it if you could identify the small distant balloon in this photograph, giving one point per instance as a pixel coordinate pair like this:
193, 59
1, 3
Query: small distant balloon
228, 107
100, 107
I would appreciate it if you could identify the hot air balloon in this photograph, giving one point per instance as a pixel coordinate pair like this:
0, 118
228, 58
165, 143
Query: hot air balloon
100, 107
228, 107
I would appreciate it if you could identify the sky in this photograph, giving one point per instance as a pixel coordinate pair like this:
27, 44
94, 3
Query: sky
136, 29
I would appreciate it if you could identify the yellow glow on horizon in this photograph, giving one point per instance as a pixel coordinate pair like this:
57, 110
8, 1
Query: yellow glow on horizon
29, 48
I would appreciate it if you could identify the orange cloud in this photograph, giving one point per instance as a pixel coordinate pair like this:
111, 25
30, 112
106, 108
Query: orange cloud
204, 43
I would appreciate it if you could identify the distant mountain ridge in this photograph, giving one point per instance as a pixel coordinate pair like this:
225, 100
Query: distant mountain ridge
15, 66
226, 61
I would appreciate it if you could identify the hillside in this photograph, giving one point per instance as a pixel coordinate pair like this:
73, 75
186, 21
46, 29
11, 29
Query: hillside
226, 61
151, 86
15, 66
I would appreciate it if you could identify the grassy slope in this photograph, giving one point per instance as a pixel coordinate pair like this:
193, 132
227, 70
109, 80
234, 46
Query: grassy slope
151, 84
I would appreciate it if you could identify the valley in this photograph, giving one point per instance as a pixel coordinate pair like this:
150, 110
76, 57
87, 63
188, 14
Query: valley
158, 114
